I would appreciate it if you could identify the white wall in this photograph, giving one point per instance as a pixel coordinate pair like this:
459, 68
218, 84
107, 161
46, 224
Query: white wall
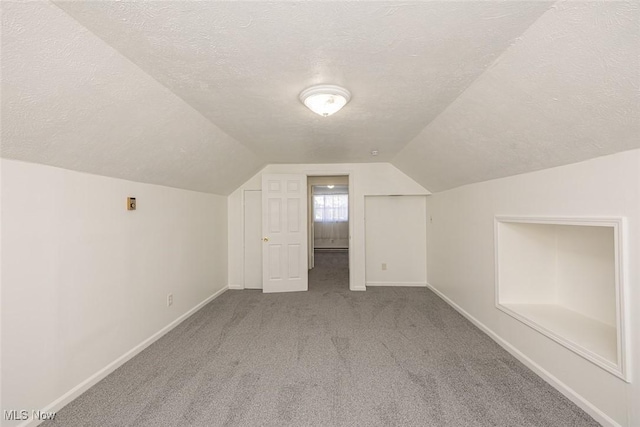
253, 239
586, 271
569, 265
331, 234
85, 281
364, 179
460, 258
396, 237
328, 180
527, 256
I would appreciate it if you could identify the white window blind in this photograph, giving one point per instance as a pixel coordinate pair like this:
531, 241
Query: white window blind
331, 208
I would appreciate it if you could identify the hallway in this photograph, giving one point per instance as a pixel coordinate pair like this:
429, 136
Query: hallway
331, 271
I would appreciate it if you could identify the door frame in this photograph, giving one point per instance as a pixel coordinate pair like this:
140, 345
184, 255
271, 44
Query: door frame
349, 176
353, 202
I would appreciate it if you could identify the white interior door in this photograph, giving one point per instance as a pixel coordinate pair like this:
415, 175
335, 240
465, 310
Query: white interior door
253, 239
284, 229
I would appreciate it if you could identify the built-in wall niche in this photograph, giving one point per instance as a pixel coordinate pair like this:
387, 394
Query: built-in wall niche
563, 277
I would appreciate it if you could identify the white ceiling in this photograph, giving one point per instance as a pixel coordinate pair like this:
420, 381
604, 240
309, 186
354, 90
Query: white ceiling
200, 95
566, 92
70, 100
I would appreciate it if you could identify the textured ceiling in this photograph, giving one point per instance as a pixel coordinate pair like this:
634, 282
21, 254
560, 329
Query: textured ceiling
566, 92
243, 64
200, 95
70, 100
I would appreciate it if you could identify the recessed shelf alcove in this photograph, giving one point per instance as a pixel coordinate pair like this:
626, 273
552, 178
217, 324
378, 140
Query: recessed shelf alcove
563, 277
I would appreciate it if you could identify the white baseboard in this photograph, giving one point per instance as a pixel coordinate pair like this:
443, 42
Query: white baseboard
63, 400
571, 394
412, 284
236, 287
358, 288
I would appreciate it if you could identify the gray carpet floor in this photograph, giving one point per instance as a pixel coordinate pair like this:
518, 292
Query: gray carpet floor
327, 357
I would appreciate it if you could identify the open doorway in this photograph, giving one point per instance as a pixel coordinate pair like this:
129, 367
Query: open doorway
328, 228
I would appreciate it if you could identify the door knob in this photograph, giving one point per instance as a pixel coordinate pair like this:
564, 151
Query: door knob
265, 239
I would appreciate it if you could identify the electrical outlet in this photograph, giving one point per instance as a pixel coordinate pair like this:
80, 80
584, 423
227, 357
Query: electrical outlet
169, 300
384, 265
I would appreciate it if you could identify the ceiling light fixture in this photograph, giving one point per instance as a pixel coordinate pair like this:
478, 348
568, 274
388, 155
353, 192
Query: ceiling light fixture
325, 99
330, 186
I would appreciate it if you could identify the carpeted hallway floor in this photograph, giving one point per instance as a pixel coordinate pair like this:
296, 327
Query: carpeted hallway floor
327, 357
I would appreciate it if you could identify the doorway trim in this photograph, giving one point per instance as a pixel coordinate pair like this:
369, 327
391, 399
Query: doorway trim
349, 175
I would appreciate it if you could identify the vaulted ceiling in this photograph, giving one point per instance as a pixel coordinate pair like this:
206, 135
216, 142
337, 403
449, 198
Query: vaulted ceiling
201, 95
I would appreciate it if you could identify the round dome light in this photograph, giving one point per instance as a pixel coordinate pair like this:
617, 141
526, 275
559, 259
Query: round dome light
325, 99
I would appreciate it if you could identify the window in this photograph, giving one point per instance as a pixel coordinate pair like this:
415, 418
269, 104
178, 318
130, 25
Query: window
331, 208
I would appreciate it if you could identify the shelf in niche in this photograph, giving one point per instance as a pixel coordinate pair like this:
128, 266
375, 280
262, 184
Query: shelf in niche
563, 278
570, 328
